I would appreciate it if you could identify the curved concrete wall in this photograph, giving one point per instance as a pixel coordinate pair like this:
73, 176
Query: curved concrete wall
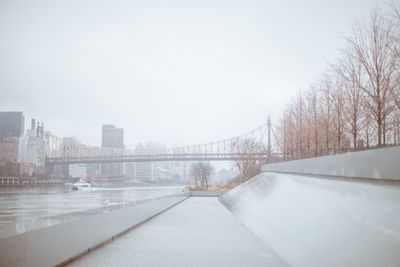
313, 221
376, 164
53, 245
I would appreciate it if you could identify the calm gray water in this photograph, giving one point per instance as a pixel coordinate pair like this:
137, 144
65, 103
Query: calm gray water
24, 205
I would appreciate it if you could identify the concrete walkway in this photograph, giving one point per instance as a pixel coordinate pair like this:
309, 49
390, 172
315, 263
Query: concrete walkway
198, 232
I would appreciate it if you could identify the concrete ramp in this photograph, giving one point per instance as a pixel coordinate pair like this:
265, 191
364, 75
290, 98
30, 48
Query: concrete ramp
311, 221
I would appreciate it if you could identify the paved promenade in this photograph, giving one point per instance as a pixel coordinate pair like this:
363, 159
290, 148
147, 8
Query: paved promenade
198, 232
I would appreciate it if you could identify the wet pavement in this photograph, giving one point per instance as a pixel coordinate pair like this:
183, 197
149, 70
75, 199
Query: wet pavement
26, 209
197, 232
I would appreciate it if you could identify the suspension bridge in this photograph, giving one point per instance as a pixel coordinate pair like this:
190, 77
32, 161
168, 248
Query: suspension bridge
258, 144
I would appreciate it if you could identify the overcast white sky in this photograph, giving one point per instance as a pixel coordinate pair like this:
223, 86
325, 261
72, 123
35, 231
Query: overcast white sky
177, 71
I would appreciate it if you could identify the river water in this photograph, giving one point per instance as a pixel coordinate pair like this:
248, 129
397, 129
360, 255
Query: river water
24, 205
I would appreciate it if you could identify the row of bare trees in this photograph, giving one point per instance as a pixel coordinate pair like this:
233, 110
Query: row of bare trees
356, 103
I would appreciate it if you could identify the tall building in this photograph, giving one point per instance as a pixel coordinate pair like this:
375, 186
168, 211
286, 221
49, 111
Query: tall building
112, 137
150, 171
31, 153
11, 129
11, 124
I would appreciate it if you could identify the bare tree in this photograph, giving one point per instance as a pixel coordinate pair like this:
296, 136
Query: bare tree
287, 134
313, 119
371, 43
195, 173
369, 131
298, 114
201, 171
248, 166
326, 108
338, 107
350, 71
396, 52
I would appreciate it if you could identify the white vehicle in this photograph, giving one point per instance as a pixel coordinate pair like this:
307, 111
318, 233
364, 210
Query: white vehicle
81, 185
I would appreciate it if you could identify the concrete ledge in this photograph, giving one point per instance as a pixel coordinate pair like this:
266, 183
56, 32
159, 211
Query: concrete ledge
57, 244
205, 193
372, 164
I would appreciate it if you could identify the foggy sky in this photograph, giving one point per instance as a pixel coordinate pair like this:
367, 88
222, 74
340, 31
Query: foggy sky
179, 72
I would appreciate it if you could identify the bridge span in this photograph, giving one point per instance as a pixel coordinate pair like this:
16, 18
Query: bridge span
162, 157
251, 145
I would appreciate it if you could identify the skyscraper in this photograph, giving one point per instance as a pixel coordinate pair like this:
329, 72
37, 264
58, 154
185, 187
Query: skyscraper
11, 124
11, 129
112, 137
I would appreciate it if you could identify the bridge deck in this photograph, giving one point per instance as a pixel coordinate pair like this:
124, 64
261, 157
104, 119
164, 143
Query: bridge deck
198, 232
